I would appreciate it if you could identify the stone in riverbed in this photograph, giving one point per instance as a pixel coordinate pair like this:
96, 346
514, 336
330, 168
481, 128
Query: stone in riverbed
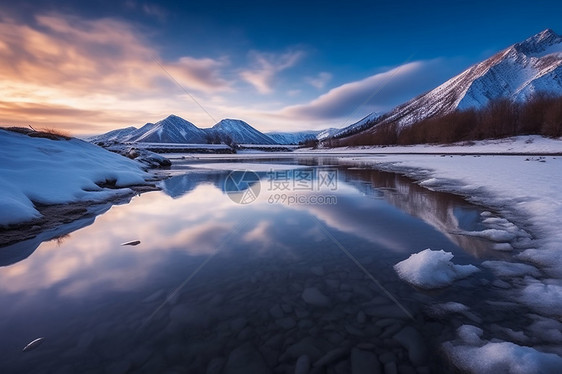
331, 357
317, 270
286, 323
303, 365
315, 297
276, 311
363, 362
215, 365
390, 368
385, 311
414, 343
361, 317
307, 346
238, 324
246, 359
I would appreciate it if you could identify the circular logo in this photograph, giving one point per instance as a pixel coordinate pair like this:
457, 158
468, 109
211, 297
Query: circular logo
242, 186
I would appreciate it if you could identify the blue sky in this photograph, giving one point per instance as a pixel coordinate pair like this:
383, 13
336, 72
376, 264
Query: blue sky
92, 66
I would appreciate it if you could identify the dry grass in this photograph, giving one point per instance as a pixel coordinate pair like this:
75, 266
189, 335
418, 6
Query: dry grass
53, 134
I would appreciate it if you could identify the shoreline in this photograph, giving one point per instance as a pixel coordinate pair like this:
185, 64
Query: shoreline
56, 215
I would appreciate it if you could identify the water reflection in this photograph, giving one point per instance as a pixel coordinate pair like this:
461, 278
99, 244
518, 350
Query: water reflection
211, 276
446, 213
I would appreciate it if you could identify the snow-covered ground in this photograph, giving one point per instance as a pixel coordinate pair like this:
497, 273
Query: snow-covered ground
529, 144
38, 170
525, 191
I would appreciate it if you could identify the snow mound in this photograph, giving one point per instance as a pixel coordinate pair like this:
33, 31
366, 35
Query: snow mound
509, 269
543, 296
57, 172
470, 334
432, 269
501, 357
494, 235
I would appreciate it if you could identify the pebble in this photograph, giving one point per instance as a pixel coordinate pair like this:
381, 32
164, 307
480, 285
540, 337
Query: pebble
238, 324
364, 362
303, 365
387, 357
276, 311
317, 270
287, 308
286, 323
411, 339
361, 317
306, 346
390, 368
315, 297
331, 357
246, 359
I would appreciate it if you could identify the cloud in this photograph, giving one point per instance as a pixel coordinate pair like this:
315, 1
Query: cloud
266, 66
320, 80
153, 10
83, 66
377, 92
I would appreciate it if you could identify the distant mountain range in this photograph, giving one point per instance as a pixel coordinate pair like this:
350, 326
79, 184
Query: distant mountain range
174, 129
517, 73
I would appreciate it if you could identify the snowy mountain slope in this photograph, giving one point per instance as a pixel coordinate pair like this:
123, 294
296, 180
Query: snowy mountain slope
358, 126
239, 132
172, 129
516, 73
114, 135
293, 137
325, 134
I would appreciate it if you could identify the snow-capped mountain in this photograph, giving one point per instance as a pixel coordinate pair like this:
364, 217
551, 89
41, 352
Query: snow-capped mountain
239, 132
325, 134
293, 137
114, 135
356, 127
172, 129
516, 73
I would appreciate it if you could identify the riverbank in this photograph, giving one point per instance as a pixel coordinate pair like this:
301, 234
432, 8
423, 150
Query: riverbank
38, 173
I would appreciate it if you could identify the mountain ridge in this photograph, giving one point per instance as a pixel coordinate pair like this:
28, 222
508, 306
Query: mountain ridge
516, 73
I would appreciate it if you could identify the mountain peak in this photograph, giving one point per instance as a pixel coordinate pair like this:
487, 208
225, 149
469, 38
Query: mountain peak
539, 43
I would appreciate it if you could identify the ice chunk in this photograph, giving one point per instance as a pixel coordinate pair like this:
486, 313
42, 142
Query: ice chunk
510, 269
432, 269
470, 334
544, 297
495, 235
503, 357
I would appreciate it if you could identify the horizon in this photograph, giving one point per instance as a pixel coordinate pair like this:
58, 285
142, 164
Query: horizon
92, 68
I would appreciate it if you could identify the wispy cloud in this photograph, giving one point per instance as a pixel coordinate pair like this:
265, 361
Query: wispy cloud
320, 80
85, 65
378, 92
265, 66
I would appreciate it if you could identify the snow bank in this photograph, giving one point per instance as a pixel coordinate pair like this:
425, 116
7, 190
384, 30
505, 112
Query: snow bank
473, 354
544, 296
55, 172
432, 269
500, 357
529, 144
510, 269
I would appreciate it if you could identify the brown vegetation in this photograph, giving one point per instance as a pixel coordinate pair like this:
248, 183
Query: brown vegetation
501, 118
52, 134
